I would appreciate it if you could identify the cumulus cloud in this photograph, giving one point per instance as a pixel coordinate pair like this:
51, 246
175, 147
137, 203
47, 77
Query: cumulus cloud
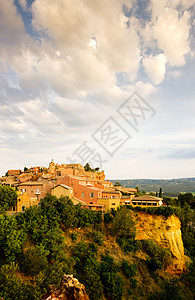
171, 30
16, 45
70, 27
155, 67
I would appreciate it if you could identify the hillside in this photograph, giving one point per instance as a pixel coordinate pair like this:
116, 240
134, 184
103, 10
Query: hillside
169, 186
131, 254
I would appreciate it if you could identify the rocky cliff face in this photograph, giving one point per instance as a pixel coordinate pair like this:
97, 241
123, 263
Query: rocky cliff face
166, 233
70, 289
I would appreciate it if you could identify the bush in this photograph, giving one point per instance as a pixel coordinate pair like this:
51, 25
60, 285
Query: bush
88, 269
165, 211
12, 238
98, 237
108, 218
153, 264
33, 261
74, 236
128, 244
123, 224
160, 257
12, 286
113, 284
86, 217
8, 197
129, 269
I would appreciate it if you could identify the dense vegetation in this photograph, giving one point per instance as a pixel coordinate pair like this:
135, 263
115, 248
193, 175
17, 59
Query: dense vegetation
41, 244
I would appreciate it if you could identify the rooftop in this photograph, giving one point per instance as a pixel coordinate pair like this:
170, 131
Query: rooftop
147, 198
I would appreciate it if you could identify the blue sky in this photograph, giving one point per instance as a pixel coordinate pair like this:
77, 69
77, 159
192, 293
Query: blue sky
67, 66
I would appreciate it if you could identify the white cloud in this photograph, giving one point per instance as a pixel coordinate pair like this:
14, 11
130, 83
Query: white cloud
176, 74
171, 30
56, 86
155, 67
16, 44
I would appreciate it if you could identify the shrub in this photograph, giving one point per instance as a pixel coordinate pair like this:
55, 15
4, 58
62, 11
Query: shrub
98, 237
160, 257
165, 211
129, 269
8, 197
88, 269
153, 264
12, 286
74, 236
33, 261
123, 224
86, 217
133, 282
113, 284
12, 238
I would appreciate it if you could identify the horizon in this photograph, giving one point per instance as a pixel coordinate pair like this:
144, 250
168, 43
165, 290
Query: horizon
43, 166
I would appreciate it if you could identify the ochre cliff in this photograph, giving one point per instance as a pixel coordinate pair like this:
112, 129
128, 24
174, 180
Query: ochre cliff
166, 233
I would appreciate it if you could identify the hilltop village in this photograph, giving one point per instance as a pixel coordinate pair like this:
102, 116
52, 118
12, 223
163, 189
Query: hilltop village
81, 184
118, 242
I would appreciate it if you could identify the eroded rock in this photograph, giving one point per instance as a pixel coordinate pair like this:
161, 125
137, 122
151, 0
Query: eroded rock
70, 289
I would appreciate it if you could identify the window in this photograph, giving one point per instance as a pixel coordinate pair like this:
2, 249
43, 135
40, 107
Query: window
91, 195
91, 202
113, 203
14, 208
23, 208
83, 195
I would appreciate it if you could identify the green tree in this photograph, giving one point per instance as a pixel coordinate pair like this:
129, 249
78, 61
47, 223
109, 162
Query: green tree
123, 224
160, 257
138, 193
12, 238
88, 269
8, 197
186, 198
113, 283
87, 167
117, 183
186, 215
67, 210
12, 287
152, 194
160, 193
33, 260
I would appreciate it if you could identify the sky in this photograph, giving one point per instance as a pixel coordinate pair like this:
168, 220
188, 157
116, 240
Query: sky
109, 82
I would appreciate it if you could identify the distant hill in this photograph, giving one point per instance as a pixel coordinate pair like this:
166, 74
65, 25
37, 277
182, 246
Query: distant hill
170, 187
